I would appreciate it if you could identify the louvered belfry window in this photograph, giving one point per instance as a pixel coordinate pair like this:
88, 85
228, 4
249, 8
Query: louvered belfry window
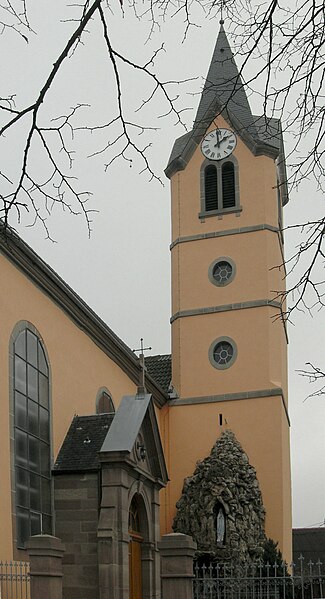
228, 185
211, 188
219, 190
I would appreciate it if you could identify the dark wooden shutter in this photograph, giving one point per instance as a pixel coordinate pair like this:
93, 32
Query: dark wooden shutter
228, 185
211, 188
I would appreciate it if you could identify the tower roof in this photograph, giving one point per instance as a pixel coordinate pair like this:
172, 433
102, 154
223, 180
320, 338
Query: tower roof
224, 93
224, 89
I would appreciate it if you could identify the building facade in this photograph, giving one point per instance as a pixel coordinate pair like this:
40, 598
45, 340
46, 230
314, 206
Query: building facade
228, 367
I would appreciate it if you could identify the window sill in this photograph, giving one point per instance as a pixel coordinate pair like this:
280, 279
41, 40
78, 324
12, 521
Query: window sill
232, 210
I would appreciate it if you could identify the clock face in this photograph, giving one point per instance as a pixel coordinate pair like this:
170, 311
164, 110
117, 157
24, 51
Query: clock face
219, 144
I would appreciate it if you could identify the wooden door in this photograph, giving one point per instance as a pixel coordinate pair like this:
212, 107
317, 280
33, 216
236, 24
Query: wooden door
135, 566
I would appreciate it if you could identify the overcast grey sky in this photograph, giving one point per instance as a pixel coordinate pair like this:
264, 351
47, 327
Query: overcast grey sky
123, 270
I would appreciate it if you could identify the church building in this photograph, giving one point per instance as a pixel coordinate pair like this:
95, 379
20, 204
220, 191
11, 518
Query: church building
88, 435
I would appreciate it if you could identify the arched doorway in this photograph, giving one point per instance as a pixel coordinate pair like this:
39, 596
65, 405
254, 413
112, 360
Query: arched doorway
135, 549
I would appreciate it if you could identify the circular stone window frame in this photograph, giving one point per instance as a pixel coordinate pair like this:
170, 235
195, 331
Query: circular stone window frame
212, 267
212, 349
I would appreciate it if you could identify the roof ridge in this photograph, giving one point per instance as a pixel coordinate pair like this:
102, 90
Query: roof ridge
103, 414
159, 356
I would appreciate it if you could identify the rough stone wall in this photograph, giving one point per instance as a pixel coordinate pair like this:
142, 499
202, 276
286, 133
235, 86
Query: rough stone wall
76, 515
226, 479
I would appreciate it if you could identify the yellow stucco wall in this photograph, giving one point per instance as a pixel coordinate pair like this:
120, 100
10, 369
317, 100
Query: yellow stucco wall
78, 370
260, 424
259, 364
250, 252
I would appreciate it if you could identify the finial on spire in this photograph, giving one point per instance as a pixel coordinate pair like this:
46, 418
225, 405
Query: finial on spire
222, 3
142, 387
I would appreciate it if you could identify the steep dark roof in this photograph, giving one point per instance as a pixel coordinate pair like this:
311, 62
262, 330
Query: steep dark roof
224, 83
160, 369
310, 543
83, 441
224, 93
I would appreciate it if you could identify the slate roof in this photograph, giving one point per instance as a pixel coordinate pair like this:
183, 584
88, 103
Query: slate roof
160, 369
268, 130
83, 441
224, 93
310, 543
224, 82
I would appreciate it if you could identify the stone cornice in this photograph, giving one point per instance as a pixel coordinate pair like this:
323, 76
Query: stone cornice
245, 395
42, 275
239, 231
225, 308
225, 232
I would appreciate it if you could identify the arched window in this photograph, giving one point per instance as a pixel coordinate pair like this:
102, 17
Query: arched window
134, 516
32, 456
104, 403
219, 187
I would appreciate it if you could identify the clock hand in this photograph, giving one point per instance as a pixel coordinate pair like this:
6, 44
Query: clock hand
219, 141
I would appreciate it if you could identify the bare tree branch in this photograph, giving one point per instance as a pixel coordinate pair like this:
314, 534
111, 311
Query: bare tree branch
280, 49
314, 375
26, 193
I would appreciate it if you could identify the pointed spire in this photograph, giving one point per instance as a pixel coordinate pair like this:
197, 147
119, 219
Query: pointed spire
224, 87
224, 92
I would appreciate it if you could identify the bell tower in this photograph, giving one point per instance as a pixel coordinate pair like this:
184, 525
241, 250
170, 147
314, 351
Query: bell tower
229, 342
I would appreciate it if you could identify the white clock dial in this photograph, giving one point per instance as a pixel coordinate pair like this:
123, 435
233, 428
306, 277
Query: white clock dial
219, 144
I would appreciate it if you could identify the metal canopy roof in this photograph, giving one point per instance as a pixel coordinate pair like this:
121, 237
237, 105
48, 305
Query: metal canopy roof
127, 422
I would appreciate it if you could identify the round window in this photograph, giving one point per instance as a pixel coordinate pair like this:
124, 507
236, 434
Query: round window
222, 353
222, 271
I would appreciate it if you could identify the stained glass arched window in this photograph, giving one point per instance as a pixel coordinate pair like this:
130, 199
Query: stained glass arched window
32, 455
